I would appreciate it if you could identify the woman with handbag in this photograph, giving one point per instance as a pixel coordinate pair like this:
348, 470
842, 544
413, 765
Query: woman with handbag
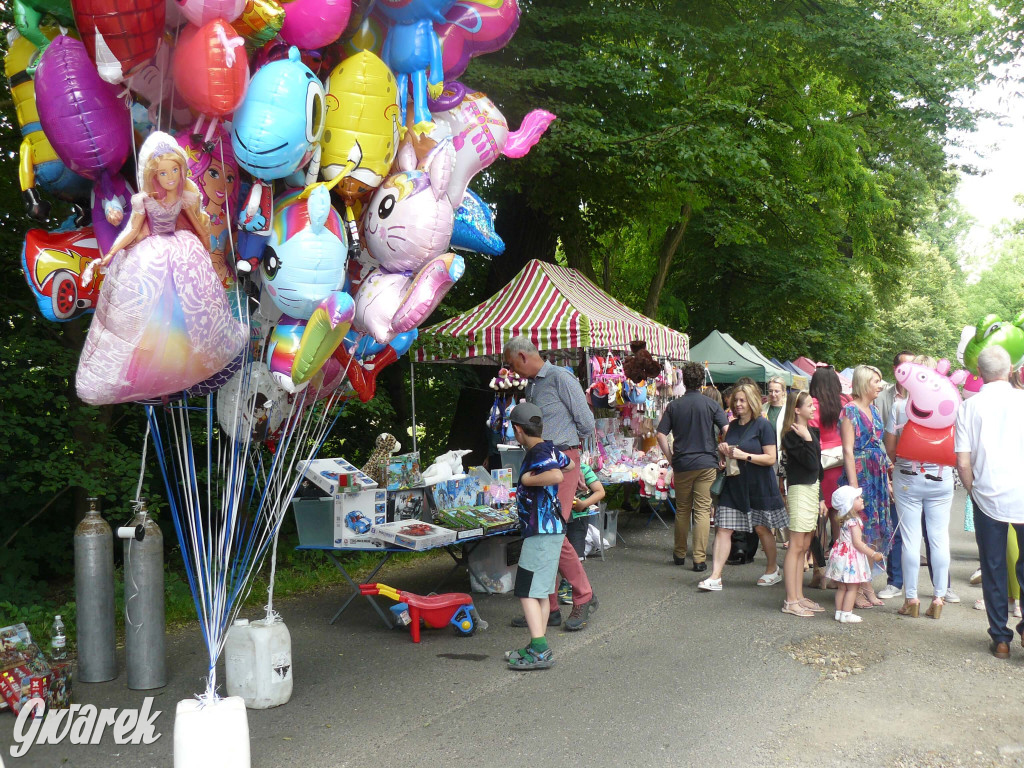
827, 394
866, 465
750, 497
801, 444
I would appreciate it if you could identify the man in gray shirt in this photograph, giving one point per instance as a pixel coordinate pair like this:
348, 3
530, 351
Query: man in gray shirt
568, 421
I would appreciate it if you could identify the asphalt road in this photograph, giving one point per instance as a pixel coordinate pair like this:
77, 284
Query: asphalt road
663, 676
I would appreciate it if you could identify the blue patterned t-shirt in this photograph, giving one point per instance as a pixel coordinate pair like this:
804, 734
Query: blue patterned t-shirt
539, 510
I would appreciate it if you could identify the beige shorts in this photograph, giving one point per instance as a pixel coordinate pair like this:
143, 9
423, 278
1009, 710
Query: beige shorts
802, 501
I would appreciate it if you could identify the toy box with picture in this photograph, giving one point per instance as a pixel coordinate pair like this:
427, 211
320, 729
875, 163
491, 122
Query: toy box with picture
414, 534
404, 471
409, 504
499, 492
467, 492
355, 514
336, 476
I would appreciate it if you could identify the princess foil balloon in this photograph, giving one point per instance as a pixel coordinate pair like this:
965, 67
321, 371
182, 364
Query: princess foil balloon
162, 321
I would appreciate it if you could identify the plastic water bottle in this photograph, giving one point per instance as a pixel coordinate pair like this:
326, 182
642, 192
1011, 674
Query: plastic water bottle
58, 640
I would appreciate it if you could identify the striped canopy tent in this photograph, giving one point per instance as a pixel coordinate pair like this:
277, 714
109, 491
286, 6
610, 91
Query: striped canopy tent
559, 310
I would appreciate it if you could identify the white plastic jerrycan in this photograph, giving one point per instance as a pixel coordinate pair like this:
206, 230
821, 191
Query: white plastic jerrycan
258, 662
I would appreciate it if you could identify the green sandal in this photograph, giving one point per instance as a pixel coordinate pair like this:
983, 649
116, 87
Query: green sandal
526, 659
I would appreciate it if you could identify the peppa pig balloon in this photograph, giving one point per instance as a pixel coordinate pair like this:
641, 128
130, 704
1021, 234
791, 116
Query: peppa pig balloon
315, 23
932, 402
120, 35
88, 125
480, 133
932, 398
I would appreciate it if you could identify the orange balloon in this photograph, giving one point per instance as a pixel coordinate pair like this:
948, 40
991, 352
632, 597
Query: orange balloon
211, 70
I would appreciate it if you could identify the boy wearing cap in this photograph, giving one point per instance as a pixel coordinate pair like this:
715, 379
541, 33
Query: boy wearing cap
542, 530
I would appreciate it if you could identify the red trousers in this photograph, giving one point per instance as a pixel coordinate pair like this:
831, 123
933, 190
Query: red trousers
568, 561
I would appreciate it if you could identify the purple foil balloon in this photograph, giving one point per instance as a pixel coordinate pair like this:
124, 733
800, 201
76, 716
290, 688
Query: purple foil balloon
87, 123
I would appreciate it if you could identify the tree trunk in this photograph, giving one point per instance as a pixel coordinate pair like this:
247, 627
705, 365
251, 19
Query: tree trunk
670, 244
527, 234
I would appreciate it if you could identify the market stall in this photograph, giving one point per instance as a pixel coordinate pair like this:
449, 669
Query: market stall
570, 319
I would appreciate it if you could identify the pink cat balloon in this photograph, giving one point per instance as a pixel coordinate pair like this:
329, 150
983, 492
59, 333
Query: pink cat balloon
407, 226
480, 133
932, 398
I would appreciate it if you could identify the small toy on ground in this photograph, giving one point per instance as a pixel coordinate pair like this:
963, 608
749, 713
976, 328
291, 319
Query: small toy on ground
435, 611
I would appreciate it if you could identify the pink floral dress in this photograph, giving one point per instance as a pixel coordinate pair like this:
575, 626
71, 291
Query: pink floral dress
845, 563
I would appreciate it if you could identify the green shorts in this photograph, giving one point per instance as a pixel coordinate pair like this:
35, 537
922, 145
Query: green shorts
538, 564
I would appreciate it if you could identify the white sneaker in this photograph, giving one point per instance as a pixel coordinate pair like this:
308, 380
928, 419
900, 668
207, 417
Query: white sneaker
976, 577
890, 590
951, 596
710, 585
850, 618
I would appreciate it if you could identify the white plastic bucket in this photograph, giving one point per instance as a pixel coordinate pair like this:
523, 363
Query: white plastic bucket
211, 735
258, 663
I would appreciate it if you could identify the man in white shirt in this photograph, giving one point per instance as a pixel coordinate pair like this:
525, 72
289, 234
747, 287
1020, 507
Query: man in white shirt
989, 455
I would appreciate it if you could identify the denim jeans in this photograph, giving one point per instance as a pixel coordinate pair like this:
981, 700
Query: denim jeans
991, 536
894, 565
918, 497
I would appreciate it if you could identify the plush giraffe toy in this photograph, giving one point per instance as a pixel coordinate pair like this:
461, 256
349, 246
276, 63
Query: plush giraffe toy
377, 465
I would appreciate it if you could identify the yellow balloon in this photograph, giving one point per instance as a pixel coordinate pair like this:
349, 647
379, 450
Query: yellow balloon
362, 108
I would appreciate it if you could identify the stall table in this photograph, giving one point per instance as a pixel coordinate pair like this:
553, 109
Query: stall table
458, 550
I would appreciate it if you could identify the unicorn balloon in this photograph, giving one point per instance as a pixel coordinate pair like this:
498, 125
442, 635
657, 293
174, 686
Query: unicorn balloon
480, 133
407, 226
303, 272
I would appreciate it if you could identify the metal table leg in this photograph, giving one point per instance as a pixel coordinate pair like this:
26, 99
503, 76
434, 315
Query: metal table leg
373, 574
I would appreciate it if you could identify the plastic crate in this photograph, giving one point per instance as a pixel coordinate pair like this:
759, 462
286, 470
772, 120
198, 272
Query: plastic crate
314, 519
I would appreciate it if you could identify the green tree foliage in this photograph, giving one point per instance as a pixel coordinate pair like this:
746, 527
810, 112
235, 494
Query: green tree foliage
769, 161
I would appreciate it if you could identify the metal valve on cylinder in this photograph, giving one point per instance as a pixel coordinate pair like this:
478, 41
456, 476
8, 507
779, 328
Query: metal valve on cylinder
145, 640
94, 597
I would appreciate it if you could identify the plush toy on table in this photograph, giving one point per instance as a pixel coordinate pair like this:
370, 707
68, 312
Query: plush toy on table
162, 320
376, 466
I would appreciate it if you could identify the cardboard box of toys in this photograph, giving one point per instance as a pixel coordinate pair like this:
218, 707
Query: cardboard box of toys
336, 476
404, 471
355, 514
414, 534
24, 672
409, 504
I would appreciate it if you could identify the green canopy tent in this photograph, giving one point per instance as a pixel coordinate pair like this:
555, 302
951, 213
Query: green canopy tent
728, 360
790, 378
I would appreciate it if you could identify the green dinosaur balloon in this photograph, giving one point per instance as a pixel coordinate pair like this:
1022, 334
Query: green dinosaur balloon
992, 331
28, 17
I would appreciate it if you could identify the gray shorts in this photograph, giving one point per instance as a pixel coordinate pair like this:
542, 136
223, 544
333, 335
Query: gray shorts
538, 564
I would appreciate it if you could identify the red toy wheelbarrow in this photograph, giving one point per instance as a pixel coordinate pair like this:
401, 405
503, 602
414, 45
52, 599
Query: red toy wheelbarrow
435, 611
